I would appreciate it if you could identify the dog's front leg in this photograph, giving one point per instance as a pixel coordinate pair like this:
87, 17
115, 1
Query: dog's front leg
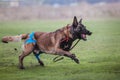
68, 54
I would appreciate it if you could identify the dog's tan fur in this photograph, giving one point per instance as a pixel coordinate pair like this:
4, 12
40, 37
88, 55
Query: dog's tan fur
17, 38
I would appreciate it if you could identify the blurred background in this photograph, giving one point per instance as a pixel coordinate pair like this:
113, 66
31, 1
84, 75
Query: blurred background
99, 56
58, 9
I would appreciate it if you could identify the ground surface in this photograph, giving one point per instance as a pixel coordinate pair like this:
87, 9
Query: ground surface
99, 56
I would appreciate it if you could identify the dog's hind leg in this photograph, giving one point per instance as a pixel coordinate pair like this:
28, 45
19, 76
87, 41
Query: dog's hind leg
37, 55
28, 48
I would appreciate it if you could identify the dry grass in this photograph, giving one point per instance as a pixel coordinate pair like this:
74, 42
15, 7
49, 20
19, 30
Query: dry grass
84, 10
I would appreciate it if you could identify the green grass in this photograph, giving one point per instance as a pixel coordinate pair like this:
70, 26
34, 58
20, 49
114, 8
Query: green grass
99, 56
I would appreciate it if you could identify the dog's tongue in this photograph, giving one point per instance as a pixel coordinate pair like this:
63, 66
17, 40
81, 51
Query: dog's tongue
84, 36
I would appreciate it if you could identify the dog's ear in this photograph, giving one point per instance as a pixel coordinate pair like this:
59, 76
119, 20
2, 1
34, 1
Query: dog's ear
75, 22
80, 21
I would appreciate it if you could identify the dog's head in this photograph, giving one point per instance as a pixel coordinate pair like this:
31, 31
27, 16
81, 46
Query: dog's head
79, 30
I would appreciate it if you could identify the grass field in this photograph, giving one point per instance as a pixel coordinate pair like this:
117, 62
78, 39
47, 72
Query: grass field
99, 56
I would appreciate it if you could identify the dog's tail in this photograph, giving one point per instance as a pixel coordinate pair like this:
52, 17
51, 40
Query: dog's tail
17, 38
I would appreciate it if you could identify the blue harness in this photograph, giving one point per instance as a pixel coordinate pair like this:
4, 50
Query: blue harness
31, 39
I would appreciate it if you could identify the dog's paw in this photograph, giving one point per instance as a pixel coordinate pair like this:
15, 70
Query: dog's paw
76, 60
73, 57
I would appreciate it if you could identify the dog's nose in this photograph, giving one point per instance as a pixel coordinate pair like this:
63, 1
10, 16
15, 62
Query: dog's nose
89, 33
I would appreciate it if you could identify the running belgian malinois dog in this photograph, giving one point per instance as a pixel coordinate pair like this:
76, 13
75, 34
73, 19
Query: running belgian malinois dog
58, 42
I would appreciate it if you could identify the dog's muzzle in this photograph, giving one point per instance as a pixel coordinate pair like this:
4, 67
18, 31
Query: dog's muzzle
83, 35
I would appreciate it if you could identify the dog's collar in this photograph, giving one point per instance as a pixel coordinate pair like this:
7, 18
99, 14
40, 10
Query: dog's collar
67, 35
66, 39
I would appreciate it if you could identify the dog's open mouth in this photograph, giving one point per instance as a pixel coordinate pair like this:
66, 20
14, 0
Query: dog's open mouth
83, 36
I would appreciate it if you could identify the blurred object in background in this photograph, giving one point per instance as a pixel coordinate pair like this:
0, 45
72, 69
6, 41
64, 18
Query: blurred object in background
58, 9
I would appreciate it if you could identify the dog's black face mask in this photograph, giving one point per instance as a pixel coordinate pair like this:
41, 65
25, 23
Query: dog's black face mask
80, 30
